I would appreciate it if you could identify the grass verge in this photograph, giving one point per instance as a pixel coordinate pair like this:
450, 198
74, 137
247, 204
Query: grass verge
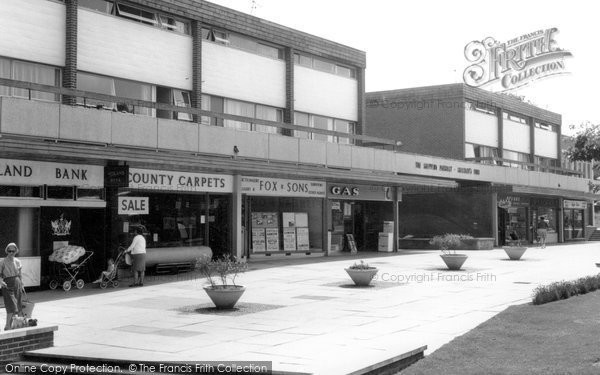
555, 338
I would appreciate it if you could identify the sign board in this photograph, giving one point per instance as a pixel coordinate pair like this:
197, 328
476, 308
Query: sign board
360, 192
351, 243
575, 205
289, 239
278, 187
302, 239
179, 181
116, 176
27, 172
134, 206
258, 240
272, 239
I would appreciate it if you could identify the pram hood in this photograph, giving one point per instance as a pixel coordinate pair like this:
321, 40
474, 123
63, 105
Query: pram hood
67, 254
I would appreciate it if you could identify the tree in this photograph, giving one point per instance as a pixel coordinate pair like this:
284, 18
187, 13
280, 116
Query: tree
586, 147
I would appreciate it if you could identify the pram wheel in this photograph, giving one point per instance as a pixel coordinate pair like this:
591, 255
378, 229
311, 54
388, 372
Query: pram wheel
80, 283
103, 284
115, 284
53, 284
66, 286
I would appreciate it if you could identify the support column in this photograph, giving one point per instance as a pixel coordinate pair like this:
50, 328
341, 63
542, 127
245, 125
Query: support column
396, 198
499, 114
361, 115
494, 202
288, 111
69, 77
532, 139
236, 218
560, 220
325, 226
196, 97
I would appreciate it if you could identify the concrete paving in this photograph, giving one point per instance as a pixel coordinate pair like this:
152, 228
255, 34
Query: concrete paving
306, 317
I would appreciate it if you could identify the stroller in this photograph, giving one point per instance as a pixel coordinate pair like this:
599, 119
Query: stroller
70, 261
111, 277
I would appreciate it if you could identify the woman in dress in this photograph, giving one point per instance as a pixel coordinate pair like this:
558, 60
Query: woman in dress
11, 283
137, 249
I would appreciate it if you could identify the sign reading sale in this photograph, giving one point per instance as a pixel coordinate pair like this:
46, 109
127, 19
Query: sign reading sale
133, 205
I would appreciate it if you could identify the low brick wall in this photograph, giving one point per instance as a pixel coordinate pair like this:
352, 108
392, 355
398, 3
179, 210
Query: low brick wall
479, 243
16, 341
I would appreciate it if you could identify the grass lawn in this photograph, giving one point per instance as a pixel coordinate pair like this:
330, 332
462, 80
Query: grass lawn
561, 337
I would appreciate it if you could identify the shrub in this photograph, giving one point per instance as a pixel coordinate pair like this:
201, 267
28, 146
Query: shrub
224, 268
361, 266
449, 242
565, 289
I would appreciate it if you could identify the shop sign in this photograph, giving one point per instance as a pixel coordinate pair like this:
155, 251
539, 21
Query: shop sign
134, 206
179, 181
575, 205
359, 192
24, 172
282, 188
116, 176
512, 201
544, 202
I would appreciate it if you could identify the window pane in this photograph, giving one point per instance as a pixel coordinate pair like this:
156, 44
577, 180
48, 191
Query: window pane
343, 127
34, 73
99, 5
305, 61
173, 24
137, 14
94, 83
267, 113
343, 71
205, 105
301, 119
233, 107
269, 51
59, 192
4, 73
134, 90
20, 225
182, 99
325, 123
323, 65
243, 43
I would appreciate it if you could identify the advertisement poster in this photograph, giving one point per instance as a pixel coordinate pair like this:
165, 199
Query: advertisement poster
289, 239
302, 239
258, 240
272, 236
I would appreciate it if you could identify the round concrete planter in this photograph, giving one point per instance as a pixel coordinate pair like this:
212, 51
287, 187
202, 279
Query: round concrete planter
454, 261
225, 297
515, 252
362, 277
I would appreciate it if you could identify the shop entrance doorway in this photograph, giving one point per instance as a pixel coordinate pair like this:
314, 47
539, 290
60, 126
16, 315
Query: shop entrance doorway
364, 220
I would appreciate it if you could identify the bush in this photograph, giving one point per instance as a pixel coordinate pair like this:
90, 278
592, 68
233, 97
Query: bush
565, 289
449, 242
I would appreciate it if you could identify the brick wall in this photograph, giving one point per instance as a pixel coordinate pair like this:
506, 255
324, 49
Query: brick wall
14, 342
196, 66
69, 78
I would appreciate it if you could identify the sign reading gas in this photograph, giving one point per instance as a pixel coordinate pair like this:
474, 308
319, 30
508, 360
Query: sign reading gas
133, 206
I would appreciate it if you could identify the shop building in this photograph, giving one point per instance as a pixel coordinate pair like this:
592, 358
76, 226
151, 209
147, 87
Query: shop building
464, 123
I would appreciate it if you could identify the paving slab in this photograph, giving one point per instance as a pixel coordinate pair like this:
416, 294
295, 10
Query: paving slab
316, 322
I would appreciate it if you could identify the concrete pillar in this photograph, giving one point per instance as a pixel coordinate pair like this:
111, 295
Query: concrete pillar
236, 218
69, 76
396, 198
494, 202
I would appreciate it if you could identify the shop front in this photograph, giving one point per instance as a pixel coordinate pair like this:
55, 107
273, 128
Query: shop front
573, 219
46, 206
175, 211
513, 219
360, 217
282, 216
547, 208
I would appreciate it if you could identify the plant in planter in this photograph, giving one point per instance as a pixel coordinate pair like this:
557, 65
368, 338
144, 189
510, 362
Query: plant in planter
361, 273
448, 243
220, 273
515, 249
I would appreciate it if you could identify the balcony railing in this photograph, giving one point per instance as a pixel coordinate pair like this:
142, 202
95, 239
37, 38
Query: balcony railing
69, 96
583, 170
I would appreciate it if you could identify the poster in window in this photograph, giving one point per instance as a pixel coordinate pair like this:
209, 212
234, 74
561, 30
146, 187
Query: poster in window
289, 239
302, 239
289, 219
347, 209
272, 238
258, 240
301, 219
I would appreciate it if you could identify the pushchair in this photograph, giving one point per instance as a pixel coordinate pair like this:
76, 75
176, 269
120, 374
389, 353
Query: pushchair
70, 261
111, 277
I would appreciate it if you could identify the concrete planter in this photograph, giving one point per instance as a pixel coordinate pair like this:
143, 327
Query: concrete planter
225, 297
514, 252
362, 277
454, 261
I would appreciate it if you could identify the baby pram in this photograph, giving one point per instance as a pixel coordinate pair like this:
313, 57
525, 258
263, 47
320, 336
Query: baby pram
70, 261
111, 277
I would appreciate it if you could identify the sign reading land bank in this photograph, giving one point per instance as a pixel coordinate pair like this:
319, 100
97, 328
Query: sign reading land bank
282, 188
26, 172
148, 179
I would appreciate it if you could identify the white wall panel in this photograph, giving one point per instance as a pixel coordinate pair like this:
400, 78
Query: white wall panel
325, 94
546, 143
237, 74
481, 128
126, 49
516, 136
33, 30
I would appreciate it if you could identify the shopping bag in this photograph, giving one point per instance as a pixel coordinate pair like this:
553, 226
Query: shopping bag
27, 308
128, 259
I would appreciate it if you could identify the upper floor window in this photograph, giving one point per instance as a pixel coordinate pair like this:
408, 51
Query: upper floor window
520, 157
514, 117
176, 97
546, 126
242, 42
325, 123
324, 65
251, 110
485, 154
135, 13
479, 108
29, 72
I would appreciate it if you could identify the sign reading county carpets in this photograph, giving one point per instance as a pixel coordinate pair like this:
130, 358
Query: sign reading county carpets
179, 181
509, 65
282, 188
25, 172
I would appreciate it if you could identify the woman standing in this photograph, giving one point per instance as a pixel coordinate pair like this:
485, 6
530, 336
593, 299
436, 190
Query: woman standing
11, 283
138, 253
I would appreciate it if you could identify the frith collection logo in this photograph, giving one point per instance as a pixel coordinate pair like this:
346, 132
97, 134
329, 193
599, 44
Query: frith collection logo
506, 66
